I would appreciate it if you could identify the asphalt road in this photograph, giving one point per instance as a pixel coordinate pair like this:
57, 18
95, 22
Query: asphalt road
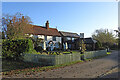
90, 69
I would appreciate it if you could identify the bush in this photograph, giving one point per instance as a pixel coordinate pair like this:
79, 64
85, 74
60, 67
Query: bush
68, 50
98, 45
38, 48
56, 49
48, 49
14, 48
54, 53
102, 48
114, 47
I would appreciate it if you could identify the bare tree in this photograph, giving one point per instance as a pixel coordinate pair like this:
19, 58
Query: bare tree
16, 26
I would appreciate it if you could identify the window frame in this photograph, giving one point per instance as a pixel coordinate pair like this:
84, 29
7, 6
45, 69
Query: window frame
54, 38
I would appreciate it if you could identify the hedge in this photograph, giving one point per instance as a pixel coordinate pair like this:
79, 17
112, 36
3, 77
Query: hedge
15, 48
38, 48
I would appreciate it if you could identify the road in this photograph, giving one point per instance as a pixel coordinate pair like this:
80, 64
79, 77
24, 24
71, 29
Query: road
90, 69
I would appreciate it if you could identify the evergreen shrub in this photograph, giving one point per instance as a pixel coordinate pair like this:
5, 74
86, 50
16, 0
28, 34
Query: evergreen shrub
15, 48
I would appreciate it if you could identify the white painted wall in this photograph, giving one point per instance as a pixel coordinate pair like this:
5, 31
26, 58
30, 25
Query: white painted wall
49, 38
31, 35
58, 39
41, 36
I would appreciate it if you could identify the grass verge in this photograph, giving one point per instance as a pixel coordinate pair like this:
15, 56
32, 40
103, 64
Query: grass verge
37, 69
34, 69
108, 52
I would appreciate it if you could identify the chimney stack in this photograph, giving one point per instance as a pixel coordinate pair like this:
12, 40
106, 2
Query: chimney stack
47, 25
22, 17
81, 35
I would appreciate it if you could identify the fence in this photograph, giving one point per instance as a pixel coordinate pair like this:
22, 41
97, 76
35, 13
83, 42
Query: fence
51, 59
60, 59
94, 54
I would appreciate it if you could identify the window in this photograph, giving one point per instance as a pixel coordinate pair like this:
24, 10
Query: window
45, 38
73, 39
54, 38
68, 38
36, 36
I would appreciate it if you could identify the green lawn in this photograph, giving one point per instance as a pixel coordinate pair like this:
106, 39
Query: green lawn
75, 52
108, 52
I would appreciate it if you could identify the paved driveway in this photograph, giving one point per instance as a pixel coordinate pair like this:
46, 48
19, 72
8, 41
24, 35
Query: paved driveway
90, 69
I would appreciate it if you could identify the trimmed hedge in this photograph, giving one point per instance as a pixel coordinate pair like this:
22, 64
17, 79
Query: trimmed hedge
56, 49
15, 48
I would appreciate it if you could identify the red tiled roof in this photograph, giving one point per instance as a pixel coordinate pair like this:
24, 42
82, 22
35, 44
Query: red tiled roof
40, 30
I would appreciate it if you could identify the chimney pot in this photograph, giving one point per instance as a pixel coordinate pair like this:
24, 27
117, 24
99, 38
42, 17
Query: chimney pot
22, 17
47, 24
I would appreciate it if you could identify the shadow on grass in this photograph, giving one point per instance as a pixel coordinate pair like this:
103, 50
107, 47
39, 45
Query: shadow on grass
8, 65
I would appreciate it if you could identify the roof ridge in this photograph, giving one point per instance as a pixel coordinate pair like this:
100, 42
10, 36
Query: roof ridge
44, 31
42, 27
68, 32
37, 26
52, 28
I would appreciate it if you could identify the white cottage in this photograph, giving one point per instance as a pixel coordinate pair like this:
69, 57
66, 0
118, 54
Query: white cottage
51, 37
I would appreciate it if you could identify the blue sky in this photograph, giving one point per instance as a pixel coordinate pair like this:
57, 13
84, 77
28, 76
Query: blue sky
68, 16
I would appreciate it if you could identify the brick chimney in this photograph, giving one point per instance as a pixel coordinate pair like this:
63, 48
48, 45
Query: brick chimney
47, 25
